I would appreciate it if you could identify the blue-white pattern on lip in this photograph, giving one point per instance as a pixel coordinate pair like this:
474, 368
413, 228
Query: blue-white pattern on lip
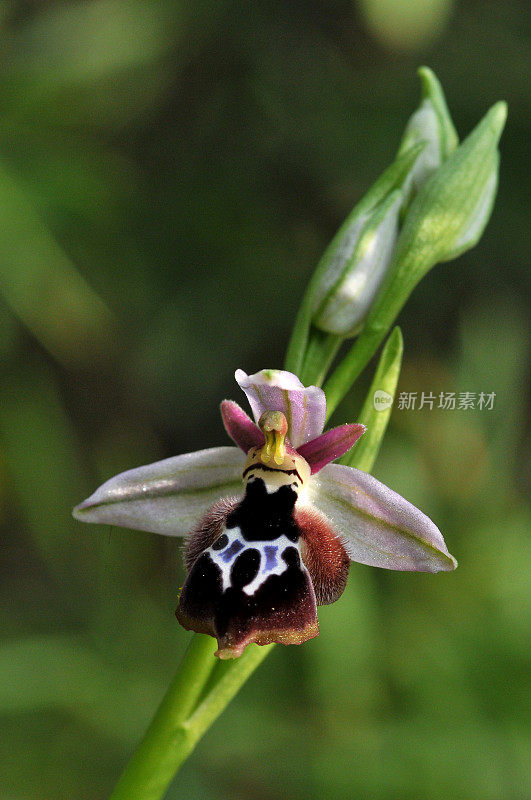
271, 561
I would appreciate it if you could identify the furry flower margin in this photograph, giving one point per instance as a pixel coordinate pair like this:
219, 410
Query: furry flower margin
271, 525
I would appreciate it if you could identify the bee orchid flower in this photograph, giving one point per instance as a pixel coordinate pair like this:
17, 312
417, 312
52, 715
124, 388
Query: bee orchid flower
271, 525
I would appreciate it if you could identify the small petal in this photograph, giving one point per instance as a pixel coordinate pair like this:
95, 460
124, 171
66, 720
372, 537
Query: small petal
376, 525
330, 445
168, 496
240, 427
278, 390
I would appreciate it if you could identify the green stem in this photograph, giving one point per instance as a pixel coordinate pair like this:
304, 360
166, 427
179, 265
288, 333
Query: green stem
199, 693
180, 720
223, 690
299, 338
166, 742
354, 362
320, 353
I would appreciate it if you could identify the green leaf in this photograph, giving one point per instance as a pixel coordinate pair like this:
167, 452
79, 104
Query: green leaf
39, 448
378, 405
43, 287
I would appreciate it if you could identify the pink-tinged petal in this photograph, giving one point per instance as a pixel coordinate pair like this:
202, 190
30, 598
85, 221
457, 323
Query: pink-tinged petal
330, 445
376, 525
240, 427
278, 390
168, 496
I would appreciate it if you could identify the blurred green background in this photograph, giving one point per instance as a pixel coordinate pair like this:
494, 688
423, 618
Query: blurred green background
169, 176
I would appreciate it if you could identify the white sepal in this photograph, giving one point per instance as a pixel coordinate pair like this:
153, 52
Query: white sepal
168, 496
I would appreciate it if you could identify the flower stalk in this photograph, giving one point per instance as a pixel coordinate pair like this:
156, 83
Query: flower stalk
183, 717
202, 688
430, 205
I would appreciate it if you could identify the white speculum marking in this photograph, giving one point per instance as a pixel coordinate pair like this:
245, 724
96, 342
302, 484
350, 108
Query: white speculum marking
271, 561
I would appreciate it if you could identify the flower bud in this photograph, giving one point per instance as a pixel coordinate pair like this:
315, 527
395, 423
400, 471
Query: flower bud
451, 211
447, 217
431, 123
478, 216
357, 269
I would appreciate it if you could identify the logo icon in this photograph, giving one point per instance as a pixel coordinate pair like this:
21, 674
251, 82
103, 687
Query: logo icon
382, 400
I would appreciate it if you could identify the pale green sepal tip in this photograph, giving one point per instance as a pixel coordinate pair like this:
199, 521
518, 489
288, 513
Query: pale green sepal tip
422, 128
498, 113
432, 90
430, 123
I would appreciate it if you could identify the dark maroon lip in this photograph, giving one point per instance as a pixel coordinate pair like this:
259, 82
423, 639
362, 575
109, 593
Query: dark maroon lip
271, 469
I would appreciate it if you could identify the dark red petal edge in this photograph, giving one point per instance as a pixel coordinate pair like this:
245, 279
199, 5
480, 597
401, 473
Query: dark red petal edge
323, 554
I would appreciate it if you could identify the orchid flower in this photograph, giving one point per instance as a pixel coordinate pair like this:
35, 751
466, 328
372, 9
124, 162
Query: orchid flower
271, 525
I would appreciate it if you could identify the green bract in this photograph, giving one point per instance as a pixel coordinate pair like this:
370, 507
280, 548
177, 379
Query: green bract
346, 261
378, 404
